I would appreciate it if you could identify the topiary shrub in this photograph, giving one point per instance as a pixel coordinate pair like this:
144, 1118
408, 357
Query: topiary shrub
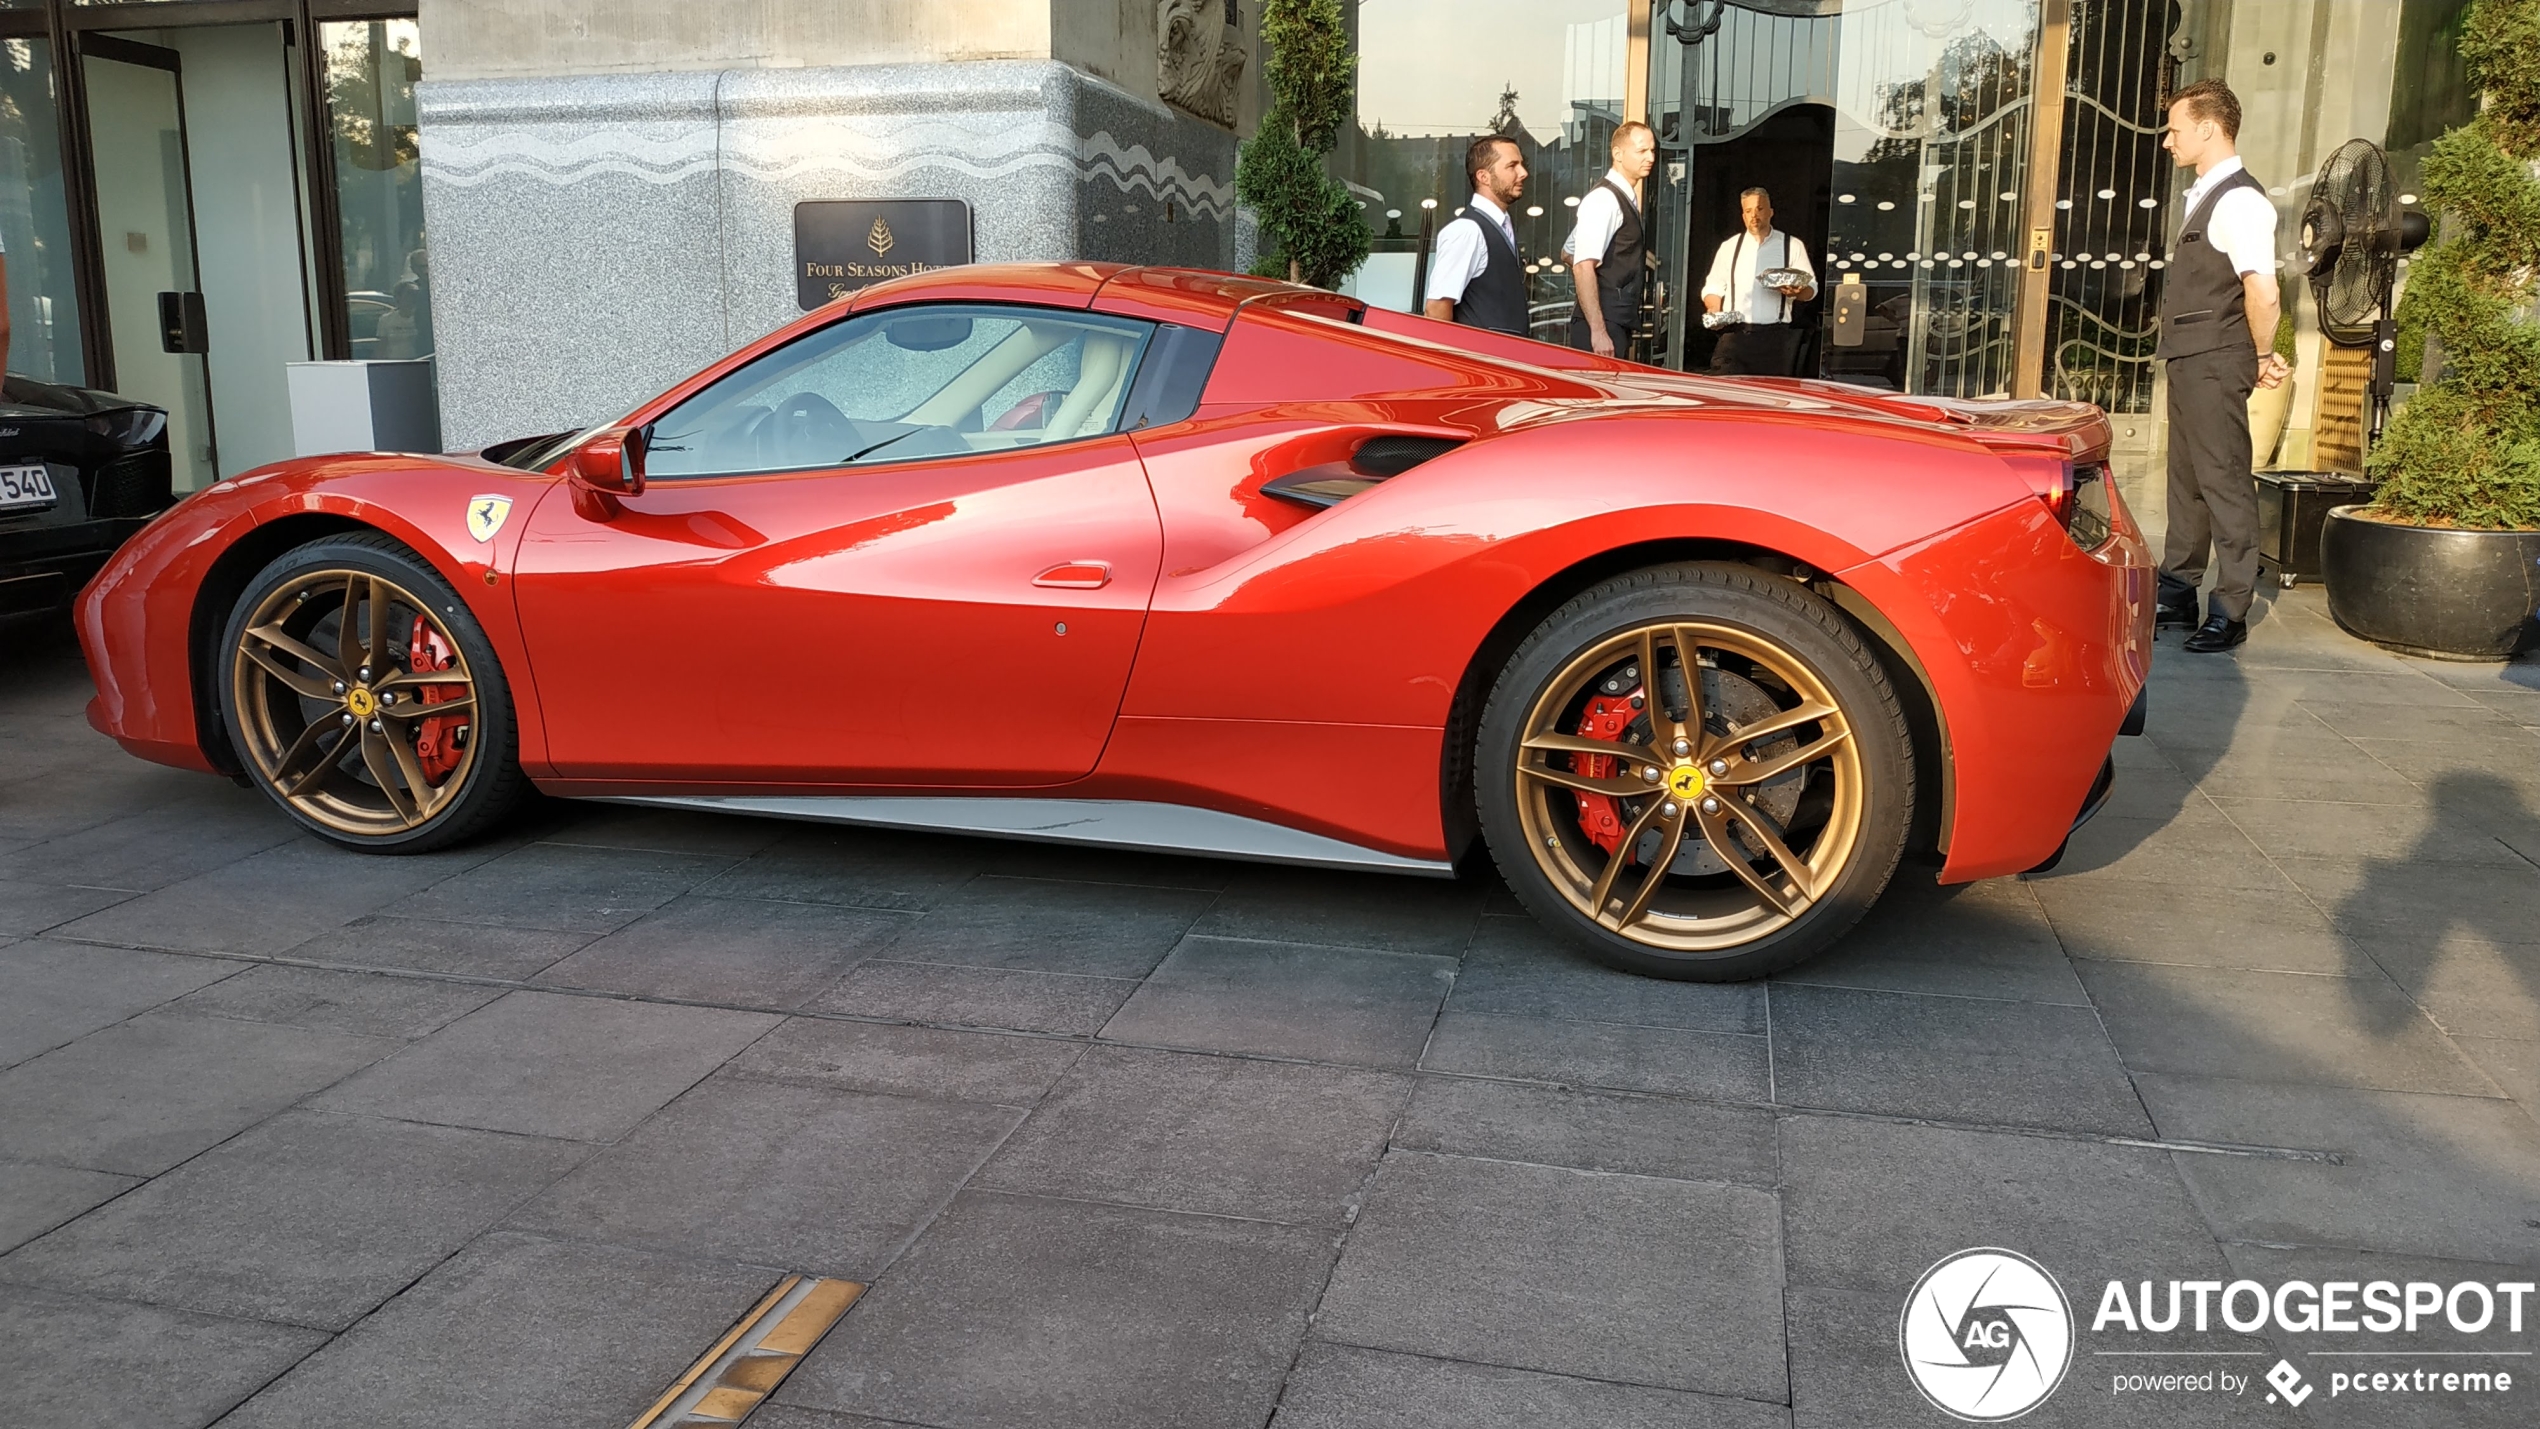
1312, 228
2465, 451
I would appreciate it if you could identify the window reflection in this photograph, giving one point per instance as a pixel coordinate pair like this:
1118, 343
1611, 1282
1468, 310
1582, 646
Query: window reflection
371, 70
34, 226
1433, 75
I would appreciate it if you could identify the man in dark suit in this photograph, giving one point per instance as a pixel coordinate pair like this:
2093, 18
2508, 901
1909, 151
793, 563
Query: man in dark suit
1475, 276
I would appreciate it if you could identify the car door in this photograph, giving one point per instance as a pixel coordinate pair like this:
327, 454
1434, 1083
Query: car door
912, 547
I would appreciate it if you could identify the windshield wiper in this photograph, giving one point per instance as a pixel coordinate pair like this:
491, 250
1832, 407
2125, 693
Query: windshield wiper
854, 457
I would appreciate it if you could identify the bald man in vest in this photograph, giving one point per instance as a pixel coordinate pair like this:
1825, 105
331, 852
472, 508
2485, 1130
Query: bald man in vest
1607, 248
2219, 307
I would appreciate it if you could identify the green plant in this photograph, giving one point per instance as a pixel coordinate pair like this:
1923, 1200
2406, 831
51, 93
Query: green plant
2466, 450
1315, 229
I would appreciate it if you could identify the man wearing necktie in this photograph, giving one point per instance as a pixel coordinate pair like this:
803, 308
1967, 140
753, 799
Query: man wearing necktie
1475, 276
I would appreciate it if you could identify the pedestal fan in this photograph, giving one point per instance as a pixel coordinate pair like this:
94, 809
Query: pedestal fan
2353, 232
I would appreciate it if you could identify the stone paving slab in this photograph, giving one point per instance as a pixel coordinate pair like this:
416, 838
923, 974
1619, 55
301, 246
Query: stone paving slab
516, 1330
144, 1095
1341, 1387
1275, 1141
308, 1219
545, 1064
1634, 1279
811, 1178
1075, 1315
69, 1359
59, 992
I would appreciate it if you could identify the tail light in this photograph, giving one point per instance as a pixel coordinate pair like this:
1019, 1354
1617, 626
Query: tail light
2077, 495
2085, 515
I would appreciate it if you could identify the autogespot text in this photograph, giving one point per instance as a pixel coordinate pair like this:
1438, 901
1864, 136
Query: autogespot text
2360, 1308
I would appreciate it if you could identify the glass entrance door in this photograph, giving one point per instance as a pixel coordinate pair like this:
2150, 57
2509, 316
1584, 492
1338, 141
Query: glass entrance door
145, 221
1918, 115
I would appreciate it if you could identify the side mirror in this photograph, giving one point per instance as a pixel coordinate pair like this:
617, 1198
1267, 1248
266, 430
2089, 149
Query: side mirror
614, 461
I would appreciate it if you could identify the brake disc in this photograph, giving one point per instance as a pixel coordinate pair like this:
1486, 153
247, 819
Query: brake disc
1728, 700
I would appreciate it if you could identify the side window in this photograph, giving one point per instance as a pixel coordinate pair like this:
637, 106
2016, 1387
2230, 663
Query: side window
907, 384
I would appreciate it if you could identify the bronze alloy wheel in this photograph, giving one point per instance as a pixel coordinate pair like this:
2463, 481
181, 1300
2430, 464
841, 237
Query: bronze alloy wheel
353, 702
1708, 769
1708, 784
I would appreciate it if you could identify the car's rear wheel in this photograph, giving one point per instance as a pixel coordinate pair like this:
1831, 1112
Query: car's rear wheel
364, 698
1713, 829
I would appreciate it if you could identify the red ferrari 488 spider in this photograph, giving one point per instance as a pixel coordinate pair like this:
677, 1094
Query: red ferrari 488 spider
1174, 560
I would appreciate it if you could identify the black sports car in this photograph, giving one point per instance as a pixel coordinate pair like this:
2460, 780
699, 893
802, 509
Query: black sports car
80, 471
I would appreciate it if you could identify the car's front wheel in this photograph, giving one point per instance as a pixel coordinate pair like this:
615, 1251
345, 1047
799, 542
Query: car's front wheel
363, 697
1699, 771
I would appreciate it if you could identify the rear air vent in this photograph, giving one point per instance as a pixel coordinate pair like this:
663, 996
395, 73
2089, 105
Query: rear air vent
1392, 456
1376, 460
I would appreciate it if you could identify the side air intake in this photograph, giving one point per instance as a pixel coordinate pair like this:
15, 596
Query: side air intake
1377, 460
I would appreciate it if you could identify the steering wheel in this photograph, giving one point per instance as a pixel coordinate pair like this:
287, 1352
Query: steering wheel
806, 429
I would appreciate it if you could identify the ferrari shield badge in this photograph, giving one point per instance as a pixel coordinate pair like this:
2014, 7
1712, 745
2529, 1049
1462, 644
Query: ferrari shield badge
485, 515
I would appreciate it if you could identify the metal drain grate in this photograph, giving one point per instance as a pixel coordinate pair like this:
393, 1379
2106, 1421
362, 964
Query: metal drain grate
754, 1356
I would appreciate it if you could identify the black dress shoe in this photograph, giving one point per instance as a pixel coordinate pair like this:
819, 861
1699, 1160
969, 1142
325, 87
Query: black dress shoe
2219, 632
2166, 615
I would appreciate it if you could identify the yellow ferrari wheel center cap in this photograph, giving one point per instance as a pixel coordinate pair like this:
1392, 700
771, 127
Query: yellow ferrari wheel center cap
1685, 781
361, 702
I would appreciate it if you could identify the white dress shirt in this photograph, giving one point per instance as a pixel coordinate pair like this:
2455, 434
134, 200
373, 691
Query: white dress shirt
1600, 218
1461, 255
1734, 267
2242, 224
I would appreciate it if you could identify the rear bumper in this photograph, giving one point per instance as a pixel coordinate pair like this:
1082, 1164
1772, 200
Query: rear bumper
2038, 654
2091, 804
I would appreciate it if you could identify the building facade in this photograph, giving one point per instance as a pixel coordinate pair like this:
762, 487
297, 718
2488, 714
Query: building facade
567, 204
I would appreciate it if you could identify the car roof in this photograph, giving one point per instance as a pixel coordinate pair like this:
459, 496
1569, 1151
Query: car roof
1195, 297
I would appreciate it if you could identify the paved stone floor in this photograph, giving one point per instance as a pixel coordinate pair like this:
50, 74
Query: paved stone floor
507, 1135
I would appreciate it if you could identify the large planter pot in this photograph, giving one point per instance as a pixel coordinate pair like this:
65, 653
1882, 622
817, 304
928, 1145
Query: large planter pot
2269, 408
2461, 595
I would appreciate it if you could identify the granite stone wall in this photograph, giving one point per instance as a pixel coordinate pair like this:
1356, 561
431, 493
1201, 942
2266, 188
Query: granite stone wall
597, 237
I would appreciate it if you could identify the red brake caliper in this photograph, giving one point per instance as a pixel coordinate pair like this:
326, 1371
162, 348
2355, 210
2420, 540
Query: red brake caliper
1601, 815
441, 739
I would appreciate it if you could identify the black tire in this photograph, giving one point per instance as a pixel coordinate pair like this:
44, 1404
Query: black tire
1749, 609
341, 800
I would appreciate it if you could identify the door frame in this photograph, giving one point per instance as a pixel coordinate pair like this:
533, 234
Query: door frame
119, 50
74, 31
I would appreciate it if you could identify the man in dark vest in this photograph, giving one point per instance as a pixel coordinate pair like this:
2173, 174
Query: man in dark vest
2219, 307
1475, 276
1608, 256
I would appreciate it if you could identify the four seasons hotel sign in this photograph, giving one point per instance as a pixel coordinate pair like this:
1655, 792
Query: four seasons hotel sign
845, 245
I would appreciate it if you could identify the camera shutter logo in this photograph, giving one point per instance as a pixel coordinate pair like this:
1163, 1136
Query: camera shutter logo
1986, 1335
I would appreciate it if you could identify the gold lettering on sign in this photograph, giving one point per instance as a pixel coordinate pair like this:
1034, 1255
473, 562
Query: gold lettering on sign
879, 239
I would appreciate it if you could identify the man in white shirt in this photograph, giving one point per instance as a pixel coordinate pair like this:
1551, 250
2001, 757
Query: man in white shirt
1766, 344
1607, 249
2219, 309
1475, 275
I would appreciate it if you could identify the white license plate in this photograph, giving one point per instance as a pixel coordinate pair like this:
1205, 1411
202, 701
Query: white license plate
26, 488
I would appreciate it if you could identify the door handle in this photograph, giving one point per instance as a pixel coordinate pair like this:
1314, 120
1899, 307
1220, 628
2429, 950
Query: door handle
1076, 575
181, 324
